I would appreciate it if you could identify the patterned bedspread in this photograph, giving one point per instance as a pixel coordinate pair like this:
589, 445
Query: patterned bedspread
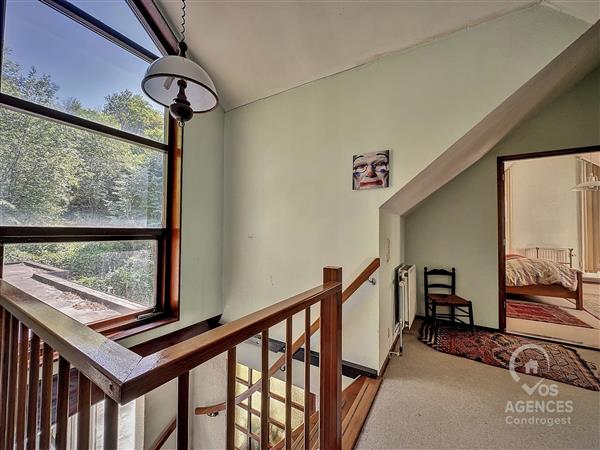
522, 271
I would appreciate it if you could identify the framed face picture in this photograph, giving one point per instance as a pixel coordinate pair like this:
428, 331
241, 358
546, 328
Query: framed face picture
371, 170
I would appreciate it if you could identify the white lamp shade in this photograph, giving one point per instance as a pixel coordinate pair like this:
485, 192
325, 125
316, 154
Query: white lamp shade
160, 83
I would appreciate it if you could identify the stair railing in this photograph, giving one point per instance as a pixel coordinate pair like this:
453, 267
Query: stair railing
362, 277
297, 344
33, 331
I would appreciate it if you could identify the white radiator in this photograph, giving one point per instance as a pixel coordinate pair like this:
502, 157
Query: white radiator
405, 305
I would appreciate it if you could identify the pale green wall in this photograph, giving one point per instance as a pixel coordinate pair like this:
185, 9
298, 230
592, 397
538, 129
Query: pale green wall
390, 253
289, 207
457, 225
202, 224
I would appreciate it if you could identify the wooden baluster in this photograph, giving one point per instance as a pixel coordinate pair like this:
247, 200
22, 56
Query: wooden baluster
307, 379
183, 394
6, 320
62, 403
46, 406
331, 365
22, 387
84, 390
34, 376
265, 391
12, 383
288, 383
249, 421
111, 423
231, 371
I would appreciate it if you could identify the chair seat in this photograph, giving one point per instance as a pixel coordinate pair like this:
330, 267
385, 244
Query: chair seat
448, 300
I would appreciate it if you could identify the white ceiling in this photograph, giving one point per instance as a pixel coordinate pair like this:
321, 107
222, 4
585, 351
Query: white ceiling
253, 49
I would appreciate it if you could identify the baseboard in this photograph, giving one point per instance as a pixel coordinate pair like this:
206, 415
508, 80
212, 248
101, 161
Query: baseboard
479, 327
388, 356
349, 369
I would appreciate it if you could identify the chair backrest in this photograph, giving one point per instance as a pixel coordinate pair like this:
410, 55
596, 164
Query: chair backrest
436, 285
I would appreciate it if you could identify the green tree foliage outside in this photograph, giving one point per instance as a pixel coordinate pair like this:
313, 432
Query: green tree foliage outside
125, 269
55, 175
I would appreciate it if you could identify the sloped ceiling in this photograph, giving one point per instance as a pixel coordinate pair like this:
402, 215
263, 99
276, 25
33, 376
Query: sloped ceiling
573, 64
586, 10
255, 49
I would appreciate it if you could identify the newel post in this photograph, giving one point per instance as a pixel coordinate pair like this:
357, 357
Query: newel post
331, 364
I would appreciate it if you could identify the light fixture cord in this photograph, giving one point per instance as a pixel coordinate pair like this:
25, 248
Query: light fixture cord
183, 21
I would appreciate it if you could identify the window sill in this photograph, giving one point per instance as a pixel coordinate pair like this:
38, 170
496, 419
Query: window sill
125, 327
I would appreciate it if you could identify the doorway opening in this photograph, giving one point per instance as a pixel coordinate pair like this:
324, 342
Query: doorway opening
549, 245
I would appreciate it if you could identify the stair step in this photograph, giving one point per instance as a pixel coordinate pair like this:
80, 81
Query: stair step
357, 399
357, 414
314, 437
349, 394
298, 443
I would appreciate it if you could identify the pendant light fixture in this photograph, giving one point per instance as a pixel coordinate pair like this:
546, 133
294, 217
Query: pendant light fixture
180, 84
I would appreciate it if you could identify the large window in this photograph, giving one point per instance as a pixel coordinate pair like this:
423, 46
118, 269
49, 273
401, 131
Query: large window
86, 163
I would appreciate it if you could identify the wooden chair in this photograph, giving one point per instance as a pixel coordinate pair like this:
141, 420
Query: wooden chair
459, 307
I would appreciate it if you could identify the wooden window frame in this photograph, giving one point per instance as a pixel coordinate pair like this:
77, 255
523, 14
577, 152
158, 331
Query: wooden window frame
168, 237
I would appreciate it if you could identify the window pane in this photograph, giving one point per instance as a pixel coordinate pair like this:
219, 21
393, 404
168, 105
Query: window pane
276, 434
117, 15
241, 440
242, 372
277, 410
54, 61
297, 417
239, 388
241, 417
55, 175
297, 395
255, 423
277, 386
88, 281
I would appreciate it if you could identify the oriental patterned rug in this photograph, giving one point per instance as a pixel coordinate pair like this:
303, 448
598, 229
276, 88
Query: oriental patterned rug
564, 364
542, 313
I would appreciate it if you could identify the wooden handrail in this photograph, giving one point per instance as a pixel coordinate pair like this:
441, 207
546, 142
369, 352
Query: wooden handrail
103, 361
297, 344
164, 436
360, 279
124, 375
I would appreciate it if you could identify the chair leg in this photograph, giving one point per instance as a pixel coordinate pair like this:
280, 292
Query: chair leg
426, 308
434, 314
471, 318
452, 314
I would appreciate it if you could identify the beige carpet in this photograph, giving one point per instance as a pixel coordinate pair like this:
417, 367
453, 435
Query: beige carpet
434, 400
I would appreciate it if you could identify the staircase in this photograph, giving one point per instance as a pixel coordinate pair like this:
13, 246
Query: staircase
357, 399
93, 368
